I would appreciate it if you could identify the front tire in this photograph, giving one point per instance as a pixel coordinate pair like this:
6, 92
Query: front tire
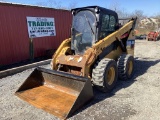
105, 74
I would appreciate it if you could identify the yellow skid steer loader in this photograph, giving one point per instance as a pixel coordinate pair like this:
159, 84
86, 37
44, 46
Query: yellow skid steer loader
99, 51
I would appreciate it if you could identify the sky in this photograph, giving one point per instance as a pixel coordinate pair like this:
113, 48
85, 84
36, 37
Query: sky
149, 7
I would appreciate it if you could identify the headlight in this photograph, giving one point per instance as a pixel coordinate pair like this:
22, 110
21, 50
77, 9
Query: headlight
73, 12
97, 10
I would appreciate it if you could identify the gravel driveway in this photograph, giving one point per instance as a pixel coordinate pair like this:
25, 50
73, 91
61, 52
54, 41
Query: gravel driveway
136, 99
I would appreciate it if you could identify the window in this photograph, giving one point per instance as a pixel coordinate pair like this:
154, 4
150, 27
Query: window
83, 31
112, 23
108, 25
105, 23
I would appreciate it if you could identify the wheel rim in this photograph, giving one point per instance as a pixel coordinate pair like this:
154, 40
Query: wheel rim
130, 67
110, 76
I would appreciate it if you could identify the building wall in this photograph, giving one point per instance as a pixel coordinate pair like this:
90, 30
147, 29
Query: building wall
14, 40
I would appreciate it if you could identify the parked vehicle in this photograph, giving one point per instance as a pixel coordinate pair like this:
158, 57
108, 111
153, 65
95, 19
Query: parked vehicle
141, 37
136, 37
153, 36
144, 36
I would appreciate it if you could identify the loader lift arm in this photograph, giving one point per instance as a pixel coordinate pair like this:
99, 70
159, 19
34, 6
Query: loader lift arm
114, 36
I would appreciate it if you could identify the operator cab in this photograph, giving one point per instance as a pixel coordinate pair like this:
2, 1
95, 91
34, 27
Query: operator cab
91, 24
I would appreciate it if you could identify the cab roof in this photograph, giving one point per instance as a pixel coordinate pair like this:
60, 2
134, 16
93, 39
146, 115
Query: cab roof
101, 9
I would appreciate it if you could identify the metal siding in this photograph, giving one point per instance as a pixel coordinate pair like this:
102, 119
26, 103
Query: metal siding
14, 38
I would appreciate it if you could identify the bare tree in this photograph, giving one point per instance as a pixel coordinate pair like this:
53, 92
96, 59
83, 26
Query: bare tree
72, 5
122, 12
57, 4
139, 14
157, 16
115, 5
41, 3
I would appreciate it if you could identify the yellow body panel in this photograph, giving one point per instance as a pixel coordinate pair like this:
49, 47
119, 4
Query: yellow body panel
115, 54
91, 54
62, 48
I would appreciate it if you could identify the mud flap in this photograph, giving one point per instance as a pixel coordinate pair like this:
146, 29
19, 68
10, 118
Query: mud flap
56, 92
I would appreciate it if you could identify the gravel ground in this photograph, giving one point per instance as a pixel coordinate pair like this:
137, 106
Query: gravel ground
136, 99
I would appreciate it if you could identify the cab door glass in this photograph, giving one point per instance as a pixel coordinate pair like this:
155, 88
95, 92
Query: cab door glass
112, 23
107, 25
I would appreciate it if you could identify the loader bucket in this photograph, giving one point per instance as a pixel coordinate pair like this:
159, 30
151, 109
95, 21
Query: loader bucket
58, 93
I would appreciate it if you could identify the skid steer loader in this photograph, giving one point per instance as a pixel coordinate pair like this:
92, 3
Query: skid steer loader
98, 52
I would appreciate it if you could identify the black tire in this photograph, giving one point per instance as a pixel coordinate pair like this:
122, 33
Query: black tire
105, 74
125, 66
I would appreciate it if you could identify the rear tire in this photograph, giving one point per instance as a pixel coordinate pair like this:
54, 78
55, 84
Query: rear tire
125, 66
105, 74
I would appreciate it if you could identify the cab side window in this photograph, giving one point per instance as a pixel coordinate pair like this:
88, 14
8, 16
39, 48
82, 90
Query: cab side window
105, 23
112, 23
107, 26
